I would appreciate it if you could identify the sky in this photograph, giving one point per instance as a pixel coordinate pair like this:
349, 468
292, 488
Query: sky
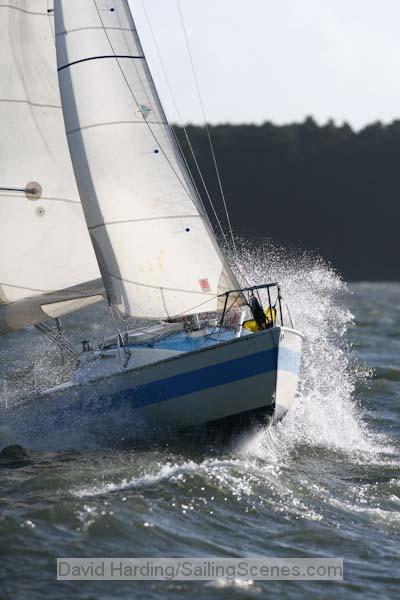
277, 60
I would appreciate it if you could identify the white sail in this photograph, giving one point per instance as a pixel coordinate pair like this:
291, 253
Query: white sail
44, 243
42, 307
156, 251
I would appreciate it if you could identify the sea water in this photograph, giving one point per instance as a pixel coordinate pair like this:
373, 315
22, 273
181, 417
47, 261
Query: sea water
323, 483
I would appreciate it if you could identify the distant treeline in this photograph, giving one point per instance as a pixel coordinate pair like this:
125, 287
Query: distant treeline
322, 188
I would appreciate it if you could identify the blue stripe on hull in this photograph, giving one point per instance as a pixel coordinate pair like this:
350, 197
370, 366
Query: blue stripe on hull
173, 387
209, 377
200, 379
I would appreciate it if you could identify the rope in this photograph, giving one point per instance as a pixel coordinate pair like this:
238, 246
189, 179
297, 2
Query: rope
106, 327
121, 343
207, 127
186, 312
57, 339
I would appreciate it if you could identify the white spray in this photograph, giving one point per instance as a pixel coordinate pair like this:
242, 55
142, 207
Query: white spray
325, 413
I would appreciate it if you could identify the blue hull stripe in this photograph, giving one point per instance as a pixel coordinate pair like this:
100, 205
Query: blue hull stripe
179, 385
207, 377
199, 380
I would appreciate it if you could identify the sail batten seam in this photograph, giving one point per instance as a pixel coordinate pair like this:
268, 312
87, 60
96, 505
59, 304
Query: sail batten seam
25, 101
23, 10
92, 28
108, 123
167, 217
90, 58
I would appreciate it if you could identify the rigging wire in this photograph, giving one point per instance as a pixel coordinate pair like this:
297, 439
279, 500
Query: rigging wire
106, 326
189, 143
207, 127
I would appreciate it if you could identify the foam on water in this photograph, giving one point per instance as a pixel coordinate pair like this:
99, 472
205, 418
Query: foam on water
165, 472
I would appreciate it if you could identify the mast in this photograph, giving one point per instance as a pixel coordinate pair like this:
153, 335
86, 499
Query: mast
157, 253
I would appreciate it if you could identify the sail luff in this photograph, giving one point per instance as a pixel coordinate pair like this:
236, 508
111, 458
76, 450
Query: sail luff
157, 253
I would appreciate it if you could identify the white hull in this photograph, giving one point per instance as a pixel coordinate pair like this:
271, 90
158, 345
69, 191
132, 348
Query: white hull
256, 372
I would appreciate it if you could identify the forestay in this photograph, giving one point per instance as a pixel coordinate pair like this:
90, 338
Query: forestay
44, 243
154, 244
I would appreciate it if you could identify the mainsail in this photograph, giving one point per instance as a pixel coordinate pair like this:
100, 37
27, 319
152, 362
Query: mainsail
154, 244
46, 256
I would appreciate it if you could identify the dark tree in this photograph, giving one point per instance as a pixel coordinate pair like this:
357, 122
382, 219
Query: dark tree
323, 188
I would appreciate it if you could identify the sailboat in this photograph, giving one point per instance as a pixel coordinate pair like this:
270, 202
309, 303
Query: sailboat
97, 202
